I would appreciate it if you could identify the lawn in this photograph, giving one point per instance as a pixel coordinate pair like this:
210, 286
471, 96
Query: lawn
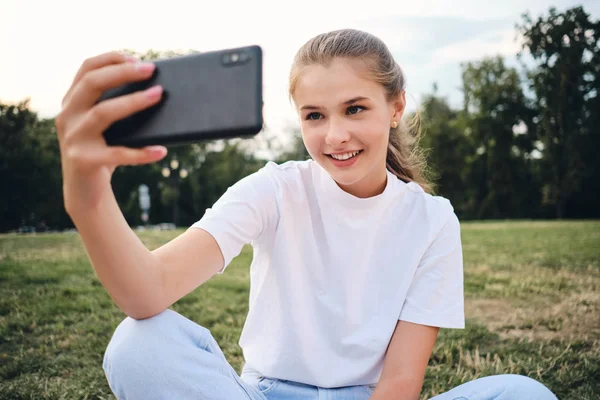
532, 305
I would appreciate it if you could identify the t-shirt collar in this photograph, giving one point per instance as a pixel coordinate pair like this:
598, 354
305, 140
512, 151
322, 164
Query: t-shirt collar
346, 199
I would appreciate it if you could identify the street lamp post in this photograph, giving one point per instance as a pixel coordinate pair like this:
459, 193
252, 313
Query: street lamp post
175, 172
144, 198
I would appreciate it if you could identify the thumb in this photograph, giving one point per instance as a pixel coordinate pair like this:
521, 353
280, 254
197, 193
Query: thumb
128, 156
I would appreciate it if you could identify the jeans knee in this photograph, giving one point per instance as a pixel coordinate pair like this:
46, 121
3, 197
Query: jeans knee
520, 386
136, 344
165, 356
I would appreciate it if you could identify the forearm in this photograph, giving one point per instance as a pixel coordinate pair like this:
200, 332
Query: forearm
126, 268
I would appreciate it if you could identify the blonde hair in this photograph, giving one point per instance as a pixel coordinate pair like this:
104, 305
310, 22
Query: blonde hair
404, 157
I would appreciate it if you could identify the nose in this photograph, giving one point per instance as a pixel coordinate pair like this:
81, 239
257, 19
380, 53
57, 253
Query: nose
337, 133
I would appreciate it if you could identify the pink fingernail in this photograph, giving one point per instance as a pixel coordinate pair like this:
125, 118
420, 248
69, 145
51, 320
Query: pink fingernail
154, 92
157, 150
145, 66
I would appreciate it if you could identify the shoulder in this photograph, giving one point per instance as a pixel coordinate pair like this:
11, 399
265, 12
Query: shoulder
277, 180
430, 204
289, 168
274, 172
289, 175
437, 212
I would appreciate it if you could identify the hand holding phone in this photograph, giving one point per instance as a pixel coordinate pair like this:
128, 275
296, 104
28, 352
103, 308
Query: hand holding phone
87, 162
211, 95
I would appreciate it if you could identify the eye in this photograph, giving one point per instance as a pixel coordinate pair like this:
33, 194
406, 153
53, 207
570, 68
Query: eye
313, 116
355, 109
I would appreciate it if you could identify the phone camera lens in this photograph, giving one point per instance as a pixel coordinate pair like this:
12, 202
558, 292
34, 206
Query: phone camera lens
226, 59
243, 57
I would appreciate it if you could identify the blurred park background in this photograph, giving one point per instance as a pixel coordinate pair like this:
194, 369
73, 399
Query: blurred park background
522, 145
517, 157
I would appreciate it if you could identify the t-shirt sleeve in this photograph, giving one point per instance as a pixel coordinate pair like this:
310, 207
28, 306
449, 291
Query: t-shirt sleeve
435, 296
242, 214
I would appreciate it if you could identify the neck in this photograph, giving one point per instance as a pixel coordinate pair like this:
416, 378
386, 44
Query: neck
371, 185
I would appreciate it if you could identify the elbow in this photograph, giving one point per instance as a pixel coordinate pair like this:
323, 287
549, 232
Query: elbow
151, 301
143, 308
142, 298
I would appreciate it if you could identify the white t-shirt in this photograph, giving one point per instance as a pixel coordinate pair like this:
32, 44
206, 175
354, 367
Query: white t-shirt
332, 273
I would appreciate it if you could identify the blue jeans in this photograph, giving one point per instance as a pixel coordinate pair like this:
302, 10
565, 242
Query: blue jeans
170, 357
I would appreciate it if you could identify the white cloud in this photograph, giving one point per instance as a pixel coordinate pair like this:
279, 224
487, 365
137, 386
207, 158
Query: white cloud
485, 45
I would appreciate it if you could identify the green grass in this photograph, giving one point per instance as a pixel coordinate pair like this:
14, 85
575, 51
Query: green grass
532, 306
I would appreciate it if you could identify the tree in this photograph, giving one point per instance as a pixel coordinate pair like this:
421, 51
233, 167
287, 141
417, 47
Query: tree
565, 81
295, 150
448, 149
31, 183
219, 170
494, 105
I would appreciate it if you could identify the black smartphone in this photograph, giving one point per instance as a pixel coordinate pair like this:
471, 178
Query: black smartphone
212, 95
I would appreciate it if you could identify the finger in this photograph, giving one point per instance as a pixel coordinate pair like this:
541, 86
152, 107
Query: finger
88, 156
105, 113
93, 84
96, 62
120, 155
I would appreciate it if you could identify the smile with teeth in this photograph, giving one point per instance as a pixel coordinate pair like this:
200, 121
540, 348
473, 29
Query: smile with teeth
345, 156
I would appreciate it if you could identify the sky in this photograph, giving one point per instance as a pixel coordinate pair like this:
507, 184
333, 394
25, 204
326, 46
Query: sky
45, 42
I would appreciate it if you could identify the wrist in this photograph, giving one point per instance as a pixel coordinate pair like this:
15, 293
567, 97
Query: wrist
84, 199
85, 192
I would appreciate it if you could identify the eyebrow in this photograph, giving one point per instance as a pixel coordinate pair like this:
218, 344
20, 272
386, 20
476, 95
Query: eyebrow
348, 102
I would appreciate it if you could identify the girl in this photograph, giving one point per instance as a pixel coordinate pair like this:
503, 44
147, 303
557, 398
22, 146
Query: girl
356, 266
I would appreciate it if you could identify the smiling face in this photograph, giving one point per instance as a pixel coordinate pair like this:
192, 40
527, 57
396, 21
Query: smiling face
345, 119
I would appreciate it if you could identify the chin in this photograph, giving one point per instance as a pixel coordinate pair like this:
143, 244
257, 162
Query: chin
345, 178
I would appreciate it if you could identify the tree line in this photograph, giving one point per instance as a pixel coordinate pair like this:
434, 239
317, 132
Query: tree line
523, 144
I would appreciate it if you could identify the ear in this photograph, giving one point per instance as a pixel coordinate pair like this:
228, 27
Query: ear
398, 106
